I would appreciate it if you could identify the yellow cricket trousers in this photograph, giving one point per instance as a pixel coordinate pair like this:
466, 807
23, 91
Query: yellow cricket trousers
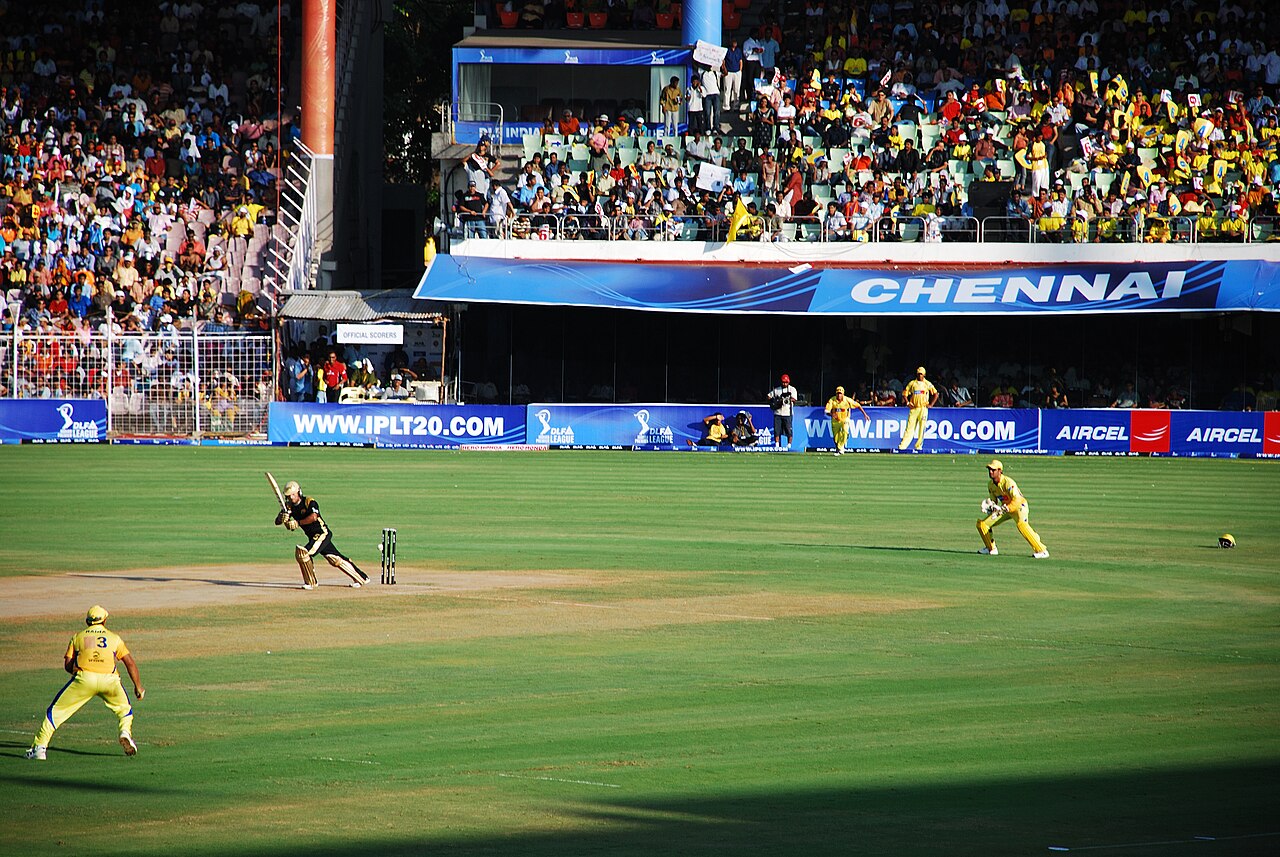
83, 687
1024, 526
916, 419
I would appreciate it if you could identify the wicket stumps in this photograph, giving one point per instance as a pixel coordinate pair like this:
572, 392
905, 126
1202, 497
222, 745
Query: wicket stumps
388, 550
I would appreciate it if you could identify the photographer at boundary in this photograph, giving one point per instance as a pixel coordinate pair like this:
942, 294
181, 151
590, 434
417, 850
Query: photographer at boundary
781, 399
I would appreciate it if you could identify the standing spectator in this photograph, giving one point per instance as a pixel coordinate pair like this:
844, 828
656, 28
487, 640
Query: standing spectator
334, 374
711, 99
781, 401
732, 66
694, 106
669, 99
300, 380
91, 659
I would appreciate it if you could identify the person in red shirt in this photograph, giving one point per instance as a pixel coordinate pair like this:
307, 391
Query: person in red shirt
334, 373
58, 305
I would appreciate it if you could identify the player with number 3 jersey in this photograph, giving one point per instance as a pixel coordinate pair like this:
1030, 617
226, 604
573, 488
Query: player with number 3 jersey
91, 659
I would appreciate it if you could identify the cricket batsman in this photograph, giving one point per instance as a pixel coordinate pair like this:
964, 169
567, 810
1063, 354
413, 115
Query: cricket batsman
91, 659
921, 395
840, 407
304, 512
1006, 502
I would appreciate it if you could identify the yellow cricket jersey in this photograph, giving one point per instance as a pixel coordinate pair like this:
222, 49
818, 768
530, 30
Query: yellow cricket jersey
96, 649
919, 393
839, 409
1005, 491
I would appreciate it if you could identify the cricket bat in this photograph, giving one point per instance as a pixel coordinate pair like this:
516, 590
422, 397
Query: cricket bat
276, 488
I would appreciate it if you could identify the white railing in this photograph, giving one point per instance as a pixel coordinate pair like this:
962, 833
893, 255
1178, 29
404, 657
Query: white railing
178, 383
290, 251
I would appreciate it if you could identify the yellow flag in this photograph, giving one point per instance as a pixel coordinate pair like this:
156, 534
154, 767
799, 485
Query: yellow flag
1144, 173
429, 252
1093, 81
740, 215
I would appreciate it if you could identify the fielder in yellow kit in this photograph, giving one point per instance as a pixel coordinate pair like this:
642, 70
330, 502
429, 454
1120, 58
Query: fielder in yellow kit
839, 407
1006, 503
91, 659
921, 395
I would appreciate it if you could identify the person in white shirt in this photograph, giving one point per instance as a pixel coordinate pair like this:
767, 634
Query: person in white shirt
711, 99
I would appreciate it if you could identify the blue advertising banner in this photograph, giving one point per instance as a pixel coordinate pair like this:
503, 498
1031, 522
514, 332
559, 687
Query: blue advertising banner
954, 430
637, 426
512, 132
1102, 431
999, 290
1217, 432
53, 420
396, 425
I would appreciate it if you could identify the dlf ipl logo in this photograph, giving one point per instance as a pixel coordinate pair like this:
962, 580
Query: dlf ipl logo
553, 435
647, 435
72, 430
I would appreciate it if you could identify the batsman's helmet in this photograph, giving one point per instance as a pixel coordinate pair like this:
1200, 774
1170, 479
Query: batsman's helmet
96, 614
292, 488
1226, 540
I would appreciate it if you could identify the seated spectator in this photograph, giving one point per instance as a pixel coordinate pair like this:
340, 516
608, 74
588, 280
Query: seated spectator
957, 395
714, 433
1127, 398
744, 431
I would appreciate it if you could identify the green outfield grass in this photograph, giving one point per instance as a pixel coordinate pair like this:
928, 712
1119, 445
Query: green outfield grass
726, 654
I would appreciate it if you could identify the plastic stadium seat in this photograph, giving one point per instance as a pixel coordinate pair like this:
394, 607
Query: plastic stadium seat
598, 20
665, 20
574, 20
508, 19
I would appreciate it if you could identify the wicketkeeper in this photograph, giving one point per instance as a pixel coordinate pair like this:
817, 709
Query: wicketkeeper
304, 512
1005, 502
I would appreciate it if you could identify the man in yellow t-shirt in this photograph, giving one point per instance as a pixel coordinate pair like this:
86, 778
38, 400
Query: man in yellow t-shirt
1006, 502
920, 395
839, 407
91, 659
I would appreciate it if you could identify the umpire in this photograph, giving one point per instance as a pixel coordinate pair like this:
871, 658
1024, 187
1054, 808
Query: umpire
304, 512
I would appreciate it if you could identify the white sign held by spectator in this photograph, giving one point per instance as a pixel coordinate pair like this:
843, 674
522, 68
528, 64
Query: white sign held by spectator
709, 54
713, 178
372, 334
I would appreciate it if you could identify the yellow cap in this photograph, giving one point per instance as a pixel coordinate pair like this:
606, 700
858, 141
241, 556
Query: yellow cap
920, 370
995, 464
96, 616
839, 389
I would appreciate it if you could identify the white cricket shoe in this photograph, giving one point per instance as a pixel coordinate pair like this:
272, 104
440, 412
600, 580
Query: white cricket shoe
38, 753
991, 551
1041, 554
307, 586
126, 741
355, 584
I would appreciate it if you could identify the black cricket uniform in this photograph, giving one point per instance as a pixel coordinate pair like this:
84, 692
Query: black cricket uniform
307, 513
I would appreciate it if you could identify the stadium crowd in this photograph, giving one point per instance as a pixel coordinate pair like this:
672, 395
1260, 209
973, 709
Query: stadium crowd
856, 120
140, 146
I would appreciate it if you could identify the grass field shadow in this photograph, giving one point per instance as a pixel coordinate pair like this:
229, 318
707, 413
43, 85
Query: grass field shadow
1140, 813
